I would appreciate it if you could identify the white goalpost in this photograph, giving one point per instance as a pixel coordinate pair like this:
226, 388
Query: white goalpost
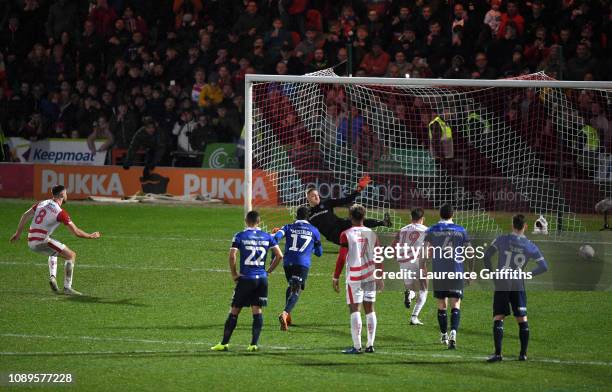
529, 144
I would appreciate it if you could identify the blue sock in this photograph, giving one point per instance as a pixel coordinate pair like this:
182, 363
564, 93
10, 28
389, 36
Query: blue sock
287, 294
230, 325
455, 318
442, 320
293, 298
257, 325
498, 335
524, 336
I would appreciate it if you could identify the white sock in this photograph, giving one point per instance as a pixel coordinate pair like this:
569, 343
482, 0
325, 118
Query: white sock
356, 329
422, 297
371, 323
68, 267
52, 265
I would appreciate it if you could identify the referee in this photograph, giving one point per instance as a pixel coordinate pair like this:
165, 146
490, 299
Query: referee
331, 226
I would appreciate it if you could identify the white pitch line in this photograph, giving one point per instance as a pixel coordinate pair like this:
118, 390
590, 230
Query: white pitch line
275, 348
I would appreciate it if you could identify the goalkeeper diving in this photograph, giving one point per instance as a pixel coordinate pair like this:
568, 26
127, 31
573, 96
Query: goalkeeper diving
331, 226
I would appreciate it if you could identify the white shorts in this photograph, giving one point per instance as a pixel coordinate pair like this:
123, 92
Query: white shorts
413, 269
48, 246
358, 292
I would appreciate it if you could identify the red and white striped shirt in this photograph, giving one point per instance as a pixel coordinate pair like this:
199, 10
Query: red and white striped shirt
47, 217
357, 252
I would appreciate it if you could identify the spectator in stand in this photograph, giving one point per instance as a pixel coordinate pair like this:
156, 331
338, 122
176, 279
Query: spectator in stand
567, 42
536, 16
203, 134
538, 50
423, 22
482, 70
401, 22
319, 61
250, 23
501, 50
228, 124
511, 16
375, 63
63, 16
403, 67
186, 7
89, 46
436, 48
377, 27
257, 57
457, 70
134, 22
102, 17
516, 65
361, 45
463, 22
210, 95
582, 64
333, 40
60, 68
100, 130
348, 20
493, 17
276, 38
150, 139
182, 135
123, 125
33, 129
305, 49
199, 77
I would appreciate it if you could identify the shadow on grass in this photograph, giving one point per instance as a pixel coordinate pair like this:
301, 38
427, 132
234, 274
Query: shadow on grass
102, 301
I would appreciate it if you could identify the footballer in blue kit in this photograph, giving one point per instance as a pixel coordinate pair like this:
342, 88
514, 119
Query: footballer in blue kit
252, 281
302, 239
446, 242
514, 250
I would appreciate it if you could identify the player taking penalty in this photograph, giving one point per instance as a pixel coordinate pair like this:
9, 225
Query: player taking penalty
514, 250
357, 252
302, 240
252, 281
413, 236
322, 212
45, 217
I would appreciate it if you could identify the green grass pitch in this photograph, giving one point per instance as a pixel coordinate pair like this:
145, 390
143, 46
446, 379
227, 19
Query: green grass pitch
159, 291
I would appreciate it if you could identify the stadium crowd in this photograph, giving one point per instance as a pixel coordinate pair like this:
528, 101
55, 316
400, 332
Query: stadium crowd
173, 70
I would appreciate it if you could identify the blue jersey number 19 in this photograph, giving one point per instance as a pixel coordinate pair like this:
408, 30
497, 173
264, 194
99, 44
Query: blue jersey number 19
517, 261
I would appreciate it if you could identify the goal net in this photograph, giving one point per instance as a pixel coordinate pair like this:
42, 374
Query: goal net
531, 144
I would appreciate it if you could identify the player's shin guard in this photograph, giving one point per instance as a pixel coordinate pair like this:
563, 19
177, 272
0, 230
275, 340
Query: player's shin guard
442, 320
257, 325
421, 298
293, 298
68, 270
524, 336
455, 319
371, 324
52, 265
230, 325
498, 335
356, 329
